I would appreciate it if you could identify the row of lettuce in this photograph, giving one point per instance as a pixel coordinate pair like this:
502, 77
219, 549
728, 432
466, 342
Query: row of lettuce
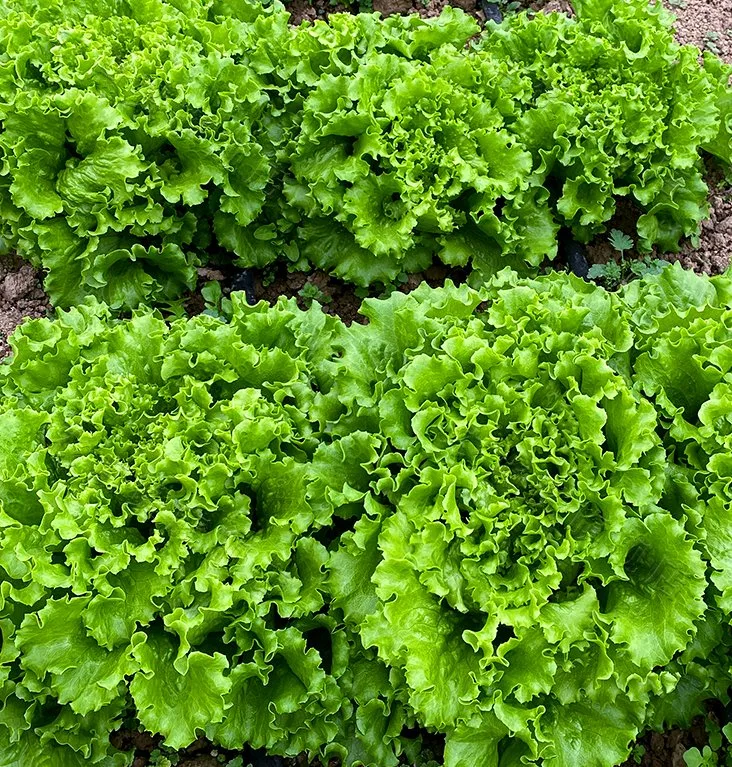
504, 515
141, 140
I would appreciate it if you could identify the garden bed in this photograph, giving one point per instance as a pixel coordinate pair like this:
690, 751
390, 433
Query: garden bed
706, 24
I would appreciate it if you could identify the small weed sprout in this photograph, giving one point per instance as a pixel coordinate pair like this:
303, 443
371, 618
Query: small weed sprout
614, 273
311, 292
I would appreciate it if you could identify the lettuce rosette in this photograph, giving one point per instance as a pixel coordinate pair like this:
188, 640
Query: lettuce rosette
410, 161
530, 557
122, 132
618, 109
162, 546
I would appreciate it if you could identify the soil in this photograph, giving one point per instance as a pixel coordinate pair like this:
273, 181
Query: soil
334, 296
554, 6
667, 749
656, 749
21, 297
202, 753
304, 10
425, 8
704, 23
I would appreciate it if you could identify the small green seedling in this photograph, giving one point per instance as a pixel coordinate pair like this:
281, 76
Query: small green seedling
717, 753
710, 42
614, 273
311, 292
268, 276
609, 274
216, 304
647, 265
510, 6
620, 241
638, 752
695, 758
390, 287
159, 759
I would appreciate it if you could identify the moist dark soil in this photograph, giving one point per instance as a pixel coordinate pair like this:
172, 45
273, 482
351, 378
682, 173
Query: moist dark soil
667, 749
202, 753
21, 297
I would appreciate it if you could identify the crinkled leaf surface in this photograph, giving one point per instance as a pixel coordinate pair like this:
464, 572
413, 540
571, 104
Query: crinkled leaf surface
495, 513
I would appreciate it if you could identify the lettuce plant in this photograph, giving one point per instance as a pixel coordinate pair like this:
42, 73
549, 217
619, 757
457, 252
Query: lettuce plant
163, 541
123, 131
139, 141
620, 109
503, 515
402, 155
535, 510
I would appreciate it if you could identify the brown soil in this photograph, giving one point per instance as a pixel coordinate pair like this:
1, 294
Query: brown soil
712, 254
704, 23
552, 6
21, 297
425, 8
312, 10
667, 749
202, 753
305, 10
336, 297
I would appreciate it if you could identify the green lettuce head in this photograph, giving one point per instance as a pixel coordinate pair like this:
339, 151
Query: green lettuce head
530, 569
163, 544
